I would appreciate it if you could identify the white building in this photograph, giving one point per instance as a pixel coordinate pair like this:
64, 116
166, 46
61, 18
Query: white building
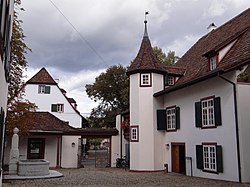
6, 19
193, 117
52, 129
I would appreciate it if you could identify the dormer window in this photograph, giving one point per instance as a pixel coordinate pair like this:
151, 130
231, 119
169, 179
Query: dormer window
145, 79
170, 80
213, 63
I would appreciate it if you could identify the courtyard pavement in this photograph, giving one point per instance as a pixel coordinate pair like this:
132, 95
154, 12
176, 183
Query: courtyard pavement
114, 177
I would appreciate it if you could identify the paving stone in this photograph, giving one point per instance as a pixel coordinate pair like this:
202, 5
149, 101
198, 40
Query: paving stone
115, 177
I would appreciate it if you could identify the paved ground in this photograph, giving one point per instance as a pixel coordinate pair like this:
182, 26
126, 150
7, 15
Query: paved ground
114, 177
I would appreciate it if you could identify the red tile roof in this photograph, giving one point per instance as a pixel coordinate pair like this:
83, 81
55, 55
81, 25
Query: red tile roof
47, 122
145, 60
42, 77
195, 60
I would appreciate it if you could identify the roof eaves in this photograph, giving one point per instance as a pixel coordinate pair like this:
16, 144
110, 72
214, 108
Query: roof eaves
189, 83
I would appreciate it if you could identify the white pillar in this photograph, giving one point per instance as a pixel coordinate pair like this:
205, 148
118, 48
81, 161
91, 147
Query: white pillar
14, 153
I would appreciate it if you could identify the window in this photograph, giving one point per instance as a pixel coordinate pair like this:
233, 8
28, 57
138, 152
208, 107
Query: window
145, 79
43, 89
134, 134
57, 108
171, 125
213, 63
168, 119
208, 112
209, 157
170, 80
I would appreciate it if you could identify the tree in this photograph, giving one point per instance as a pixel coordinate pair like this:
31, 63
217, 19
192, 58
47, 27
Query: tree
111, 89
17, 108
168, 59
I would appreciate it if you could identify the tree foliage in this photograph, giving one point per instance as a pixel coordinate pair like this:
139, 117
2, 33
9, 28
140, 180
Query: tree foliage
111, 90
17, 108
168, 59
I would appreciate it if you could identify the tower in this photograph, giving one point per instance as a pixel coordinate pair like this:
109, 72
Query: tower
146, 75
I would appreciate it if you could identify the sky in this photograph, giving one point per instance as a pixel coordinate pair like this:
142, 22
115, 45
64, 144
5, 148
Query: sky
76, 40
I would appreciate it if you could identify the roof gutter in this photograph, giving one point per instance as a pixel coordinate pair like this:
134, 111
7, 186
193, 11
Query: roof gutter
236, 124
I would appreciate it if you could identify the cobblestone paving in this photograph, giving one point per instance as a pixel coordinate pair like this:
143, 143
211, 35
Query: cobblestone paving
114, 177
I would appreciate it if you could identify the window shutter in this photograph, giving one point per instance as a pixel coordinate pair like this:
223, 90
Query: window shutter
199, 156
198, 119
53, 108
47, 89
161, 120
217, 111
219, 158
177, 117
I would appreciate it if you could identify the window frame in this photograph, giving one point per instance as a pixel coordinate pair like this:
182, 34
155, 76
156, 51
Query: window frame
43, 89
172, 82
209, 122
172, 116
134, 128
59, 107
149, 80
209, 157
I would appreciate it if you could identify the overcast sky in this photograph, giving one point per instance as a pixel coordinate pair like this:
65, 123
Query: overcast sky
76, 40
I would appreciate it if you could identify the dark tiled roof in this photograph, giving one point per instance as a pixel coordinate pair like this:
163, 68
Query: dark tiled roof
45, 121
71, 100
42, 77
145, 60
195, 60
173, 70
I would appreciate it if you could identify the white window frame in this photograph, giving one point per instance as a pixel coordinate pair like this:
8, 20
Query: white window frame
213, 63
208, 116
171, 118
41, 89
60, 107
145, 79
134, 133
209, 158
171, 80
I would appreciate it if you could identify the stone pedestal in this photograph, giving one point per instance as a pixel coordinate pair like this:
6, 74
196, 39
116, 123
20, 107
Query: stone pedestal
14, 153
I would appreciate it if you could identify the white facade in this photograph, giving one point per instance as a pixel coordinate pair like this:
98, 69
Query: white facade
44, 102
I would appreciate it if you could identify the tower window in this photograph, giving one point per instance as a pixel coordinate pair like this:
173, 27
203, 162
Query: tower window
145, 79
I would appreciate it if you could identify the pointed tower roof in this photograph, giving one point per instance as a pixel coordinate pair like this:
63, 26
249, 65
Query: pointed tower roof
42, 77
145, 60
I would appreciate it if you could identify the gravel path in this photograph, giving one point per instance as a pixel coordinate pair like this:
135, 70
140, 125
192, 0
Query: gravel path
113, 177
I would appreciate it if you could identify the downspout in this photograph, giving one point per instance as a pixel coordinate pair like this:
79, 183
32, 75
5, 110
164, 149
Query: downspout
236, 124
121, 136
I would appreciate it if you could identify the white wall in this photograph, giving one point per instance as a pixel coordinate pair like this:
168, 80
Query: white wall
44, 101
244, 129
69, 153
223, 135
50, 152
143, 113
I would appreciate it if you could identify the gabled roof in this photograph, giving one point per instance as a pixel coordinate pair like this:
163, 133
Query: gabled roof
42, 77
47, 122
145, 59
195, 60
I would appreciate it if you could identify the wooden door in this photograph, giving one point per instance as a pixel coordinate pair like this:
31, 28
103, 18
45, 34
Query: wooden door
175, 159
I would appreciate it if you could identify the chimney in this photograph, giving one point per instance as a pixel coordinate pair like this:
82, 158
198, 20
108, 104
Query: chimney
211, 27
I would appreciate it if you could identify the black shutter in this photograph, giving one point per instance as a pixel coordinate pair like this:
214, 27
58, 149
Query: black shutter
198, 115
199, 156
177, 117
217, 111
47, 89
53, 108
219, 158
161, 120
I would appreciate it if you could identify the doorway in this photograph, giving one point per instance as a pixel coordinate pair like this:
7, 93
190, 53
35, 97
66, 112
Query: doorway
36, 147
178, 158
